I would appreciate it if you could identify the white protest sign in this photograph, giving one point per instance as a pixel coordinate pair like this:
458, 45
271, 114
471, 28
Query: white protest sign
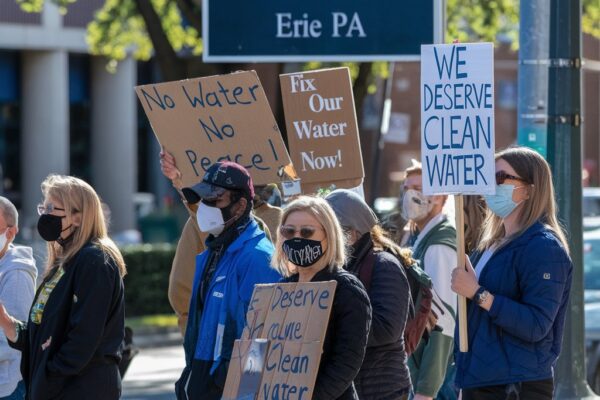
457, 118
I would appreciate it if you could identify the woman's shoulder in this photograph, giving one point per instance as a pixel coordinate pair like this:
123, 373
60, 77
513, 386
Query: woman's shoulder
92, 254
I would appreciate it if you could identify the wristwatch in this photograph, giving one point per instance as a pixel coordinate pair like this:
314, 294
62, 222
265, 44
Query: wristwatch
482, 297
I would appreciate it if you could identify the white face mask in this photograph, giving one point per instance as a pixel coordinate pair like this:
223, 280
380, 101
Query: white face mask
415, 205
3, 240
210, 219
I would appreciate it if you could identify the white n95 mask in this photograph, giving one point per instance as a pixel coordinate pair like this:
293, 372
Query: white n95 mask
210, 219
415, 205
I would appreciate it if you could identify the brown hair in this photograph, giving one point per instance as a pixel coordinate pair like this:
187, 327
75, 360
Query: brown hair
541, 205
475, 211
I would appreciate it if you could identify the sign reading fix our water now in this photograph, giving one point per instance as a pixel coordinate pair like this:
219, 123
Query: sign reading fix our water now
457, 118
321, 128
279, 353
225, 117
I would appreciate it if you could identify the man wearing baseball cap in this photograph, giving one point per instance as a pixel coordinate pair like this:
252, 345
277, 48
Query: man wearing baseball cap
237, 257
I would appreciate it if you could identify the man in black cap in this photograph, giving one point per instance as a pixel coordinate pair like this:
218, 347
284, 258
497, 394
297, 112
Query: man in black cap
237, 257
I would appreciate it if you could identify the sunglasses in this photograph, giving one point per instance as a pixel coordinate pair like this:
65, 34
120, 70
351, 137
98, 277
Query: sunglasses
306, 232
502, 176
47, 209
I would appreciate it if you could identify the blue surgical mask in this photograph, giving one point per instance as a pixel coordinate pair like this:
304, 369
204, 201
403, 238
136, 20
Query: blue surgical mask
502, 203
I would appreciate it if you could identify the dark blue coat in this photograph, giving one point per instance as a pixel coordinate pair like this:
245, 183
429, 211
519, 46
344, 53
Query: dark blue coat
519, 339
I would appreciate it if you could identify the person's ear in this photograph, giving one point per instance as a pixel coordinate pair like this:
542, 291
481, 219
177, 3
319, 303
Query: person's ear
241, 207
11, 233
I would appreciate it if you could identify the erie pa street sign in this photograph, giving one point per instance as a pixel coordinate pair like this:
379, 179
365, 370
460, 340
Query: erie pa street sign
314, 30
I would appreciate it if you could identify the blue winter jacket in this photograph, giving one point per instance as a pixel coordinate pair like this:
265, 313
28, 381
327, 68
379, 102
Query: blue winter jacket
519, 339
245, 263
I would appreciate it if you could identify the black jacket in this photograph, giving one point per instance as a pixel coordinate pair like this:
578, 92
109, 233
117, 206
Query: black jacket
73, 353
346, 337
384, 373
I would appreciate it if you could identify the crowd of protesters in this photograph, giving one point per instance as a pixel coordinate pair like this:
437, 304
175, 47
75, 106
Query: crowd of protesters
392, 332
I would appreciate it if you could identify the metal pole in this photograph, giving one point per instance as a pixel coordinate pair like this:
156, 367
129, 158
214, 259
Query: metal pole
564, 156
533, 74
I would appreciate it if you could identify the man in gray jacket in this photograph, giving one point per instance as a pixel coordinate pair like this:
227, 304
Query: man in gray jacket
17, 288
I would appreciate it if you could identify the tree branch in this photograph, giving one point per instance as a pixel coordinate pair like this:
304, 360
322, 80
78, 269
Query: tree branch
361, 86
170, 65
191, 13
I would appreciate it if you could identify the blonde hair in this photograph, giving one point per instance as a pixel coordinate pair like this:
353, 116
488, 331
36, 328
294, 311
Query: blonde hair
77, 196
475, 212
539, 207
382, 242
335, 255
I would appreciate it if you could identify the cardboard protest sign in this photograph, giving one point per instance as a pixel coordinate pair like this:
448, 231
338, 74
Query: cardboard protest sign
321, 128
224, 117
457, 118
293, 319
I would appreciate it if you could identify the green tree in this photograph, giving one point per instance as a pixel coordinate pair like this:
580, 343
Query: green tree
156, 28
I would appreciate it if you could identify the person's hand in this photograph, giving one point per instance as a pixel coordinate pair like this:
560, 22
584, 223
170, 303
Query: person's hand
464, 281
169, 168
7, 323
418, 396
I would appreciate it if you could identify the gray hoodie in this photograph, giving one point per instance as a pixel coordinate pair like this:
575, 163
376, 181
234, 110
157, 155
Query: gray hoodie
17, 288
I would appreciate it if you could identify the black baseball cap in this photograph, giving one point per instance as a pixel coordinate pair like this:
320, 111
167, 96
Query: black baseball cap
221, 176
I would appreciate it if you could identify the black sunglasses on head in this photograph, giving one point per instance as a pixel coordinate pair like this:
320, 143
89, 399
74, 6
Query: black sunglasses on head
502, 176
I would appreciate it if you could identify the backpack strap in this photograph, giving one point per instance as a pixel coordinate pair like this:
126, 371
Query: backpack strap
365, 274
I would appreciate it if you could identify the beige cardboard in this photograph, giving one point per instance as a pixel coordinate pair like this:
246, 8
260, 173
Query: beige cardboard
321, 128
223, 117
294, 319
257, 311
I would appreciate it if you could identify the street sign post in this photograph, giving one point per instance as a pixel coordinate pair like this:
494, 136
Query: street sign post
313, 30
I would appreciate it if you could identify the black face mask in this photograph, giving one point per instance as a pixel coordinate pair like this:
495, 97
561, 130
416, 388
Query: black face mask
303, 252
50, 227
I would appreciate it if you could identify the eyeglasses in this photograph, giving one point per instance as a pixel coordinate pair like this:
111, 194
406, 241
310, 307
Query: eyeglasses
47, 209
502, 176
306, 232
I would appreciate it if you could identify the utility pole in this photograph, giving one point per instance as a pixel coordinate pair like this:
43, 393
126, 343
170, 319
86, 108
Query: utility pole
534, 43
564, 156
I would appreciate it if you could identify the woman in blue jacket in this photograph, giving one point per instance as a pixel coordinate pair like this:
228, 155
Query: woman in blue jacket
519, 288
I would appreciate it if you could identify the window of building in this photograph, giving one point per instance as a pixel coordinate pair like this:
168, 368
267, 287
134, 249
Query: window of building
10, 126
80, 117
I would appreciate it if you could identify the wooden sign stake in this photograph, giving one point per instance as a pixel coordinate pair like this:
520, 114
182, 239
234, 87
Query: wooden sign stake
460, 253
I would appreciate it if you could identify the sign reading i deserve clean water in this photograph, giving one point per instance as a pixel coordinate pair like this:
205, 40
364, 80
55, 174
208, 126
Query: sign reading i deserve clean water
316, 30
457, 118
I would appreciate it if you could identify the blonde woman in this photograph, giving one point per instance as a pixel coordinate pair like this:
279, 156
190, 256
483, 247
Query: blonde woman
310, 248
71, 343
519, 288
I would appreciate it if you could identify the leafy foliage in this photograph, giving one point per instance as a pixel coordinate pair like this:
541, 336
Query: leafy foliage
477, 20
38, 5
118, 28
590, 20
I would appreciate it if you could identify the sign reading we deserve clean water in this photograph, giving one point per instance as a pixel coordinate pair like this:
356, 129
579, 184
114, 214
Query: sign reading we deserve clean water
457, 118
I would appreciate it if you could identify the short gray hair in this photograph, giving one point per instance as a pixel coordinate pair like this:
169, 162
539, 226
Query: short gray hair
9, 212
